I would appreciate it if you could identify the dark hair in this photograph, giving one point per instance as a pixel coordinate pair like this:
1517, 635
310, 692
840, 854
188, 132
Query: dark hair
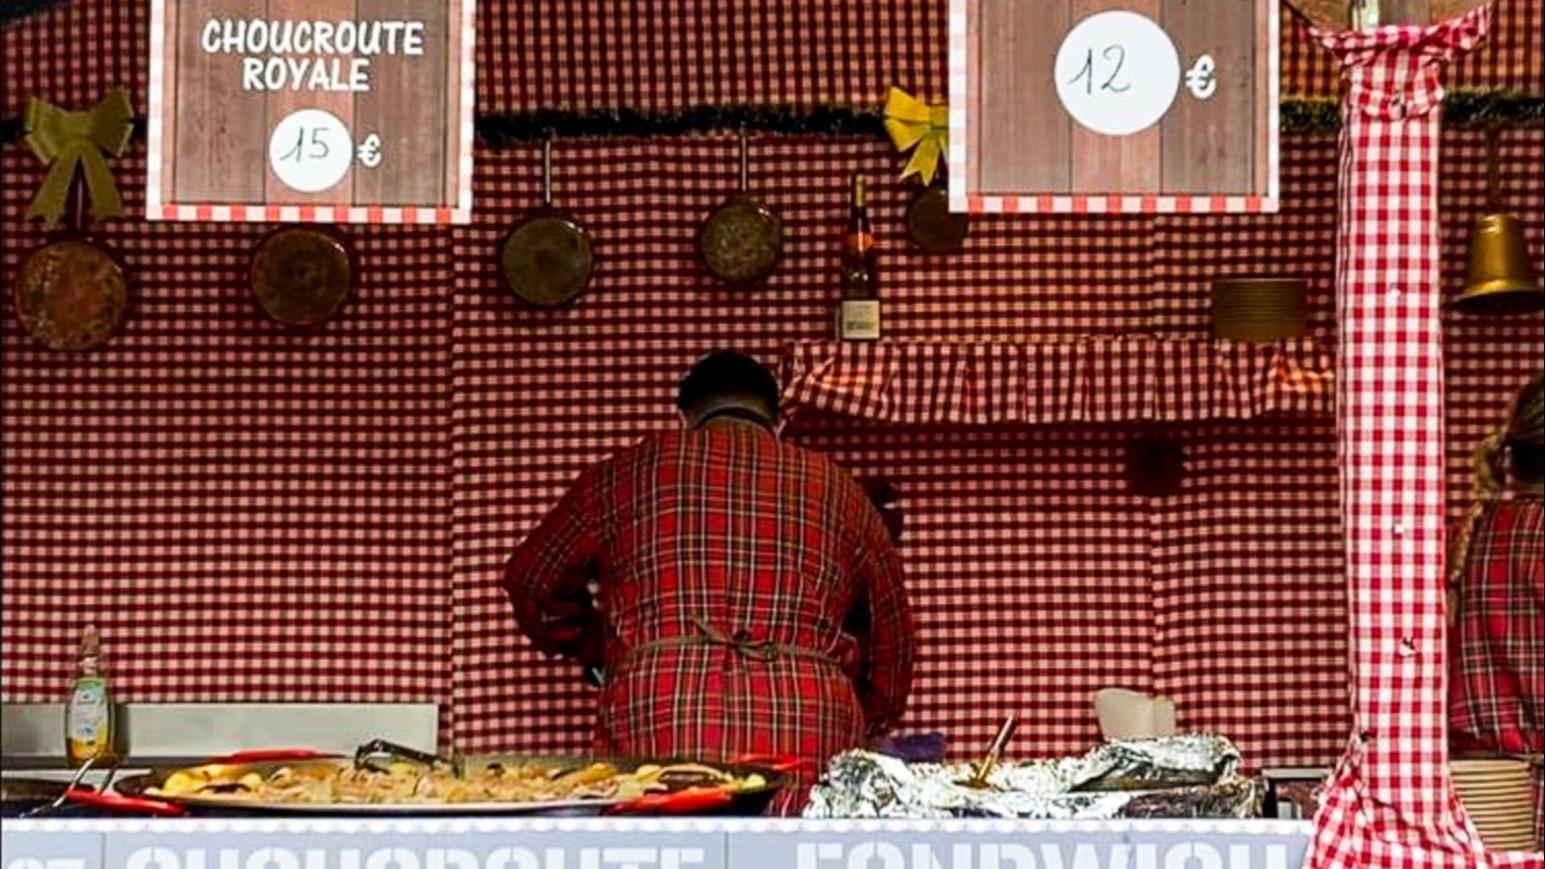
1522, 438
727, 374
1528, 462
1526, 433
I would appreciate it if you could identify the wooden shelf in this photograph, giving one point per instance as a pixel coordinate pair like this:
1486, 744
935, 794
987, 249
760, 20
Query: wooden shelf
1117, 379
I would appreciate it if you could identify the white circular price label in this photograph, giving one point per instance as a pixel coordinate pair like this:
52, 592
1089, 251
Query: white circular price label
1117, 72
310, 150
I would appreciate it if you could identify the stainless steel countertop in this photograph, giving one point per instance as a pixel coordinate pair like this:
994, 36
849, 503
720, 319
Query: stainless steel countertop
32, 735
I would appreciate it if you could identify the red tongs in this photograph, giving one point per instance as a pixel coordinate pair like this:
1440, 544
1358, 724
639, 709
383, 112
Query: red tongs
85, 795
270, 755
784, 763
686, 801
696, 799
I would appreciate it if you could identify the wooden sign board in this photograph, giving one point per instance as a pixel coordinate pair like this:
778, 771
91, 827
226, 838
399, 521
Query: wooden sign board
1334, 14
1114, 106
338, 111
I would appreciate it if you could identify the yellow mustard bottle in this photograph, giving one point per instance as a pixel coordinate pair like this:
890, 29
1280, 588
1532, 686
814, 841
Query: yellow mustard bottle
88, 714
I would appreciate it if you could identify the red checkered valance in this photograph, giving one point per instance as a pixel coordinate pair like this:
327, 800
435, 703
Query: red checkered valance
1126, 378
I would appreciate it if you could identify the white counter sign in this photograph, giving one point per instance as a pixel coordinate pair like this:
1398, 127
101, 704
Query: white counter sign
524, 849
49, 849
702, 843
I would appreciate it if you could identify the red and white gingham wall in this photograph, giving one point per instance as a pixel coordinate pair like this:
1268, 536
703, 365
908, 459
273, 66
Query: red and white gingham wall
186, 490
1487, 359
1014, 614
245, 512
1250, 599
588, 53
1021, 553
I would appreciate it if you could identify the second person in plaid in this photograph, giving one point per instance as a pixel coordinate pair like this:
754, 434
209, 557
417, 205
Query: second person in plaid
1496, 700
729, 567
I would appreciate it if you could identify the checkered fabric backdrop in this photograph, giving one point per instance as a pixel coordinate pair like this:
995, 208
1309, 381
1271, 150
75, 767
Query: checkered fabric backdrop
245, 512
1390, 803
1125, 379
1249, 600
669, 53
469, 414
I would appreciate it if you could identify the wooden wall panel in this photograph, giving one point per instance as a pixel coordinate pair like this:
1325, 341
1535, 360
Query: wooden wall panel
226, 142
1209, 145
411, 174
1027, 152
1017, 96
1129, 164
212, 156
452, 120
281, 103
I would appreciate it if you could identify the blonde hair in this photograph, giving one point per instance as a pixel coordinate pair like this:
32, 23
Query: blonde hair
1525, 426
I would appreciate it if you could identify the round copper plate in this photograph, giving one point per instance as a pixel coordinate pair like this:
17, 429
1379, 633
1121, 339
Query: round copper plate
931, 223
547, 260
70, 295
300, 276
741, 240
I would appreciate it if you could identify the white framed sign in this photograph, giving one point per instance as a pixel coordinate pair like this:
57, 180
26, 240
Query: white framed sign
1114, 106
337, 111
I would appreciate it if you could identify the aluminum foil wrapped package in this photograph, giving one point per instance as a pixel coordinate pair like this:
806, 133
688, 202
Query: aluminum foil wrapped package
1194, 775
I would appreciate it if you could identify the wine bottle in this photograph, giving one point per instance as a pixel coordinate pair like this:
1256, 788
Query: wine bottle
858, 313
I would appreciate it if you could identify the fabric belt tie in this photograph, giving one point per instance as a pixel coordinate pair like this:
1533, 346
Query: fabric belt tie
740, 642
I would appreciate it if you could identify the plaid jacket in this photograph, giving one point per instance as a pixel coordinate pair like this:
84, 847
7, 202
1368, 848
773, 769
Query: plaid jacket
729, 567
1497, 664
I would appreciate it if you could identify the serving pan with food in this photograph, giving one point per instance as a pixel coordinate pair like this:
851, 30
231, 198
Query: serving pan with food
383, 779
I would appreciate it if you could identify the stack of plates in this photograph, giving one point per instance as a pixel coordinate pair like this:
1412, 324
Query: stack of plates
1495, 793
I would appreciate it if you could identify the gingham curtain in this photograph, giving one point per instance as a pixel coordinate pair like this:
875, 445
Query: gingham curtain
1390, 803
1120, 379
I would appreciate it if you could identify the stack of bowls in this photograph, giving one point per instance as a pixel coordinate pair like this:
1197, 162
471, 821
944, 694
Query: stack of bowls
1259, 309
1495, 793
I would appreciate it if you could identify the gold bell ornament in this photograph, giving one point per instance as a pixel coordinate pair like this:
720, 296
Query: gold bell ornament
1498, 279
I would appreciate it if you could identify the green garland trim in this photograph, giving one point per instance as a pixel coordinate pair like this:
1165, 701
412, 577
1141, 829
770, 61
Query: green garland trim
11, 10
1305, 116
502, 129
1483, 108
1462, 109
1310, 116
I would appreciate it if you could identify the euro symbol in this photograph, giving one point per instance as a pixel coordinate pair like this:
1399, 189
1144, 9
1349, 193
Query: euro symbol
370, 151
1199, 78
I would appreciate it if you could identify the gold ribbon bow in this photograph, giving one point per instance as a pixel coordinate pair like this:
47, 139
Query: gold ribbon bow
66, 140
913, 123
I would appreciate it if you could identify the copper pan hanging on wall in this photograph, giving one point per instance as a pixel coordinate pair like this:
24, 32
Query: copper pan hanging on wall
547, 259
71, 293
301, 275
741, 238
932, 225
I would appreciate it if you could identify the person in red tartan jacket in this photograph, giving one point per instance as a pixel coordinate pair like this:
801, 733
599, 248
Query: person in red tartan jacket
1497, 661
729, 570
